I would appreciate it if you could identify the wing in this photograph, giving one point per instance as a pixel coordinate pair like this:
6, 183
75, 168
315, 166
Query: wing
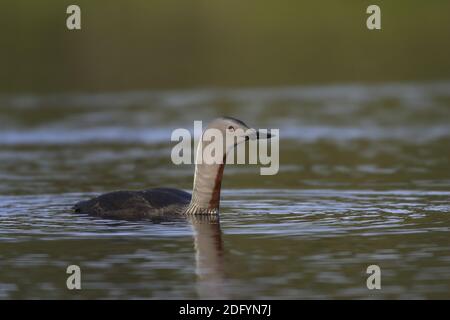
164, 197
134, 204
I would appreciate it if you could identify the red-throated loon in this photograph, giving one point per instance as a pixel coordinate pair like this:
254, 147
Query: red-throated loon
205, 196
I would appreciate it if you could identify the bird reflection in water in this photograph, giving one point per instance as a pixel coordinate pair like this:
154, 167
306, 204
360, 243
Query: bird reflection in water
209, 256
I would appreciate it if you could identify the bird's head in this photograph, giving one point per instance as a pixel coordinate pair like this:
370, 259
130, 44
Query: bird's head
232, 132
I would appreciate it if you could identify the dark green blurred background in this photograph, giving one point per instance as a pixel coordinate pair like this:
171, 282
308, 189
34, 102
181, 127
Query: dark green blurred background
142, 44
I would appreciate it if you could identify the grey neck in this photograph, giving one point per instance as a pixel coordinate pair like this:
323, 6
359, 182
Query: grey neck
206, 189
207, 183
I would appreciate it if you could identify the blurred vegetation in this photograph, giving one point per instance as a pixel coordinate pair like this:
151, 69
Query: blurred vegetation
146, 44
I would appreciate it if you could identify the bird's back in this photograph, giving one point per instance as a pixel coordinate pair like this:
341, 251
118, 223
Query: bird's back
136, 204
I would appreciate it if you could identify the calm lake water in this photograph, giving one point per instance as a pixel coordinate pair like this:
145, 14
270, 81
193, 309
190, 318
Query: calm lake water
364, 179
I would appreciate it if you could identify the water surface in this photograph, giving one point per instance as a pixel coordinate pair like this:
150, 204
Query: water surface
364, 179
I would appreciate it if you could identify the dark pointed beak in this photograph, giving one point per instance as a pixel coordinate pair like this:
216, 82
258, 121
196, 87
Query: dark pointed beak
252, 134
260, 135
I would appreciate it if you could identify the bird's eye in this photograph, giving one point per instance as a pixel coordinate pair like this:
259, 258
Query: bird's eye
231, 128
